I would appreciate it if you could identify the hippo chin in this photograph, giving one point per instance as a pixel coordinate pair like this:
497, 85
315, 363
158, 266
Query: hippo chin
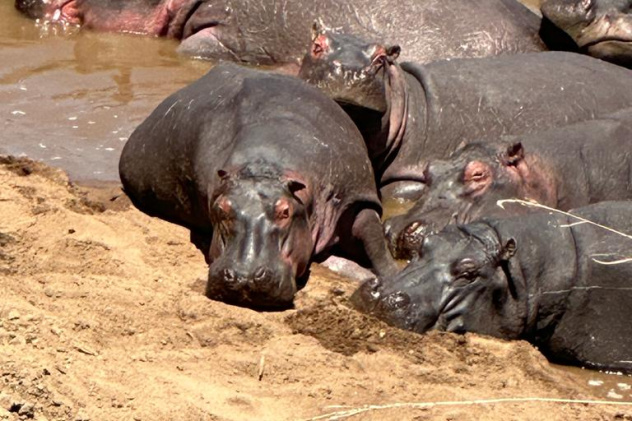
563, 168
270, 32
600, 28
547, 278
265, 184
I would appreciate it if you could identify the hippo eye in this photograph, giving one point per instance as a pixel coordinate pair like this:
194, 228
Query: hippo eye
465, 268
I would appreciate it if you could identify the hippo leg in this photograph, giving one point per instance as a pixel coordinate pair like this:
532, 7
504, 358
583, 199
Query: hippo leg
367, 234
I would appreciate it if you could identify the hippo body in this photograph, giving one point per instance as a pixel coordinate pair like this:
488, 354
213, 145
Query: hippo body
266, 172
564, 168
411, 113
600, 28
556, 281
272, 32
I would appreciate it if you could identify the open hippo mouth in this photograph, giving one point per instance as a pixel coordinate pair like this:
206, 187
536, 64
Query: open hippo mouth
66, 12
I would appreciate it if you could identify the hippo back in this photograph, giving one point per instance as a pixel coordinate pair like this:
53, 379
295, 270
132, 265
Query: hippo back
232, 117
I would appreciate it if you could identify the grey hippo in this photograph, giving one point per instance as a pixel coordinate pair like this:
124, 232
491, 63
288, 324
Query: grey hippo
561, 283
266, 172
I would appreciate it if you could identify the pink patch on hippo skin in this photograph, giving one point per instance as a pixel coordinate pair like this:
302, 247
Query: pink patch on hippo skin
477, 177
320, 46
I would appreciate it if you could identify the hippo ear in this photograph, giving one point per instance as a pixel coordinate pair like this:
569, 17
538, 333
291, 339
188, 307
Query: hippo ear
382, 54
320, 41
317, 29
508, 250
392, 53
513, 154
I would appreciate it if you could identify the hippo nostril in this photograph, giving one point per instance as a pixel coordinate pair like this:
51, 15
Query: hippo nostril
260, 273
228, 275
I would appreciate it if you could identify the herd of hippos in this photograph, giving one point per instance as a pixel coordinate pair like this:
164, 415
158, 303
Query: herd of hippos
459, 106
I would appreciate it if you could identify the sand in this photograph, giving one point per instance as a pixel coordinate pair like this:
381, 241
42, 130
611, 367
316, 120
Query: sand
103, 317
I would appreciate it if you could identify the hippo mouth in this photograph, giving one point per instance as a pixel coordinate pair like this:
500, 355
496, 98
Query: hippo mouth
607, 32
66, 13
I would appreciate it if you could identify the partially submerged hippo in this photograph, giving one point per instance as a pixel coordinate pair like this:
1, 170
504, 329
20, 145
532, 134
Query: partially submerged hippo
267, 173
560, 283
600, 28
563, 168
277, 32
411, 113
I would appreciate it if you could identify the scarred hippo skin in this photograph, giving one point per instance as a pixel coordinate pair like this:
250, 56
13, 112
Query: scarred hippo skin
411, 113
563, 168
600, 28
267, 173
545, 277
276, 32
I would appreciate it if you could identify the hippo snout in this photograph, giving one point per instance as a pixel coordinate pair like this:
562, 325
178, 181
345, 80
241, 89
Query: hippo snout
405, 239
263, 286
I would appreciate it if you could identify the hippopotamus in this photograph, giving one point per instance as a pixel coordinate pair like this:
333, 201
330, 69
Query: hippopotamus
564, 168
557, 281
600, 28
271, 32
411, 113
266, 172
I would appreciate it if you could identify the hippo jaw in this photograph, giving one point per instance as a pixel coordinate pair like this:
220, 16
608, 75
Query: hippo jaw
600, 28
457, 284
261, 243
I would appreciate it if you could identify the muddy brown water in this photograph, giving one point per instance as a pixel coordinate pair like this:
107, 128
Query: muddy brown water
71, 99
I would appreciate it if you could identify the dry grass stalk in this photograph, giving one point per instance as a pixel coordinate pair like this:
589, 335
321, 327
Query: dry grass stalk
417, 405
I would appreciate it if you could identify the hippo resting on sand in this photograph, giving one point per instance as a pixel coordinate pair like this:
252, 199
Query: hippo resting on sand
560, 283
412, 113
600, 28
563, 168
277, 32
267, 173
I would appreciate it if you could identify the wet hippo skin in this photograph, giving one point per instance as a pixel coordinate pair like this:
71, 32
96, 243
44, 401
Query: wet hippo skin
272, 32
564, 167
560, 283
267, 173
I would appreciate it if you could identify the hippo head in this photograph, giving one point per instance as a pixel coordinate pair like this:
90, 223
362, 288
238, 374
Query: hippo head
466, 187
461, 282
348, 69
262, 239
602, 28
64, 11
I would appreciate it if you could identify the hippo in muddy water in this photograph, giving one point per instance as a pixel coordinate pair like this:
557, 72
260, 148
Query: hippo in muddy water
557, 281
600, 28
266, 172
277, 32
411, 113
563, 168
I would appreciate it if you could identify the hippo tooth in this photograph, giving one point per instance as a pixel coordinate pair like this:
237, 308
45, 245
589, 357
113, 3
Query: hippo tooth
56, 15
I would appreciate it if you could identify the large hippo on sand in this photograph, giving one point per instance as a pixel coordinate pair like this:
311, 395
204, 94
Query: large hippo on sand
600, 28
563, 284
277, 32
411, 113
267, 173
564, 168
